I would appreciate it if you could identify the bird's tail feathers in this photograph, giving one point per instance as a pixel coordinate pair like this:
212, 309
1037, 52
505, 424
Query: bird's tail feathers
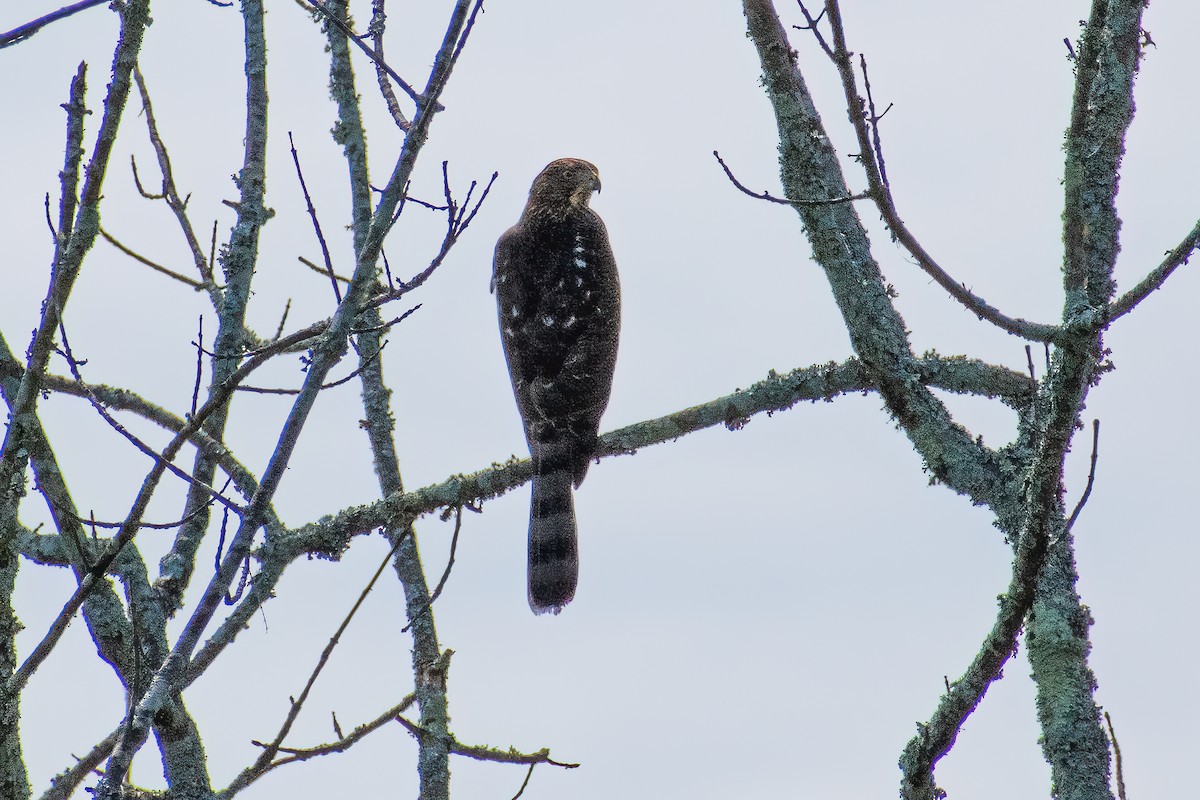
553, 541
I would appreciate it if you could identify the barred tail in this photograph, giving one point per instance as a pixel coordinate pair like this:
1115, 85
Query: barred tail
553, 544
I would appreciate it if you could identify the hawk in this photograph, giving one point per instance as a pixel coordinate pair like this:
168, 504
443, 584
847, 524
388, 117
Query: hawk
559, 303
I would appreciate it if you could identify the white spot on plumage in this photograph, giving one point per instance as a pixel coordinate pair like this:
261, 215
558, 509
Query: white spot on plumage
580, 261
571, 320
547, 321
516, 312
578, 281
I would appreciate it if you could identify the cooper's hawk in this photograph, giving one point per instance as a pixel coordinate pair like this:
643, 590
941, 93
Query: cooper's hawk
559, 303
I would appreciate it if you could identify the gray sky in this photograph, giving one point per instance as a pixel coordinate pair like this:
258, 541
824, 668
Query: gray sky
764, 613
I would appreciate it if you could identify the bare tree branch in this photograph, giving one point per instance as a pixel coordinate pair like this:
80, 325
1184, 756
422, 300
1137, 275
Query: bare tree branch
772, 199
326, 353
264, 762
935, 738
883, 198
776, 393
154, 265
74, 242
1112, 735
312, 213
1091, 478
376, 29
809, 167
484, 753
342, 744
177, 204
23, 32
321, 270
64, 784
1176, 257
376, 57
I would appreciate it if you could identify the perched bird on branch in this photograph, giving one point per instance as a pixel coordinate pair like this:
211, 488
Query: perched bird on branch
559, 303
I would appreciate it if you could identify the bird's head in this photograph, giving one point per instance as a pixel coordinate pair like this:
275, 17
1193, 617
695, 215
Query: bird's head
565, 184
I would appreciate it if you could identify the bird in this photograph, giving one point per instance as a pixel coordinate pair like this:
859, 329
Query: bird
558, 298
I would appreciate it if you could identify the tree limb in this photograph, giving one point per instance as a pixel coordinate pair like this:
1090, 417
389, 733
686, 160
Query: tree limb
1175, 258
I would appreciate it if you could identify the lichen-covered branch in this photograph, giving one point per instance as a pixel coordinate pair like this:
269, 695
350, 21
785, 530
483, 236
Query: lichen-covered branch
1073, 738
327, 352
809, 168
176, 203
1024, 481
1176, 257
870, 155
433, 762
296, 755
329, 536
485, 753
238, 258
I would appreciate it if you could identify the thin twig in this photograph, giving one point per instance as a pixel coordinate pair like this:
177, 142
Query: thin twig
312, 213
337, 728
343, 743
177, 204
232, 597
883, 199
23, 32
324, 386
199, 343
456, 226
263, 762
781, 200
812, 26
383, 326
49, 219
185, 433
483, 753
1120, 769
524, 783
1087, 490
212, 250
157, 526
135, 441
466, 32
387, 267
320, 270
170, 273
137, 182
371, 54
124, 400
287, 308
445, 575
873, 119
63, 784
221, 541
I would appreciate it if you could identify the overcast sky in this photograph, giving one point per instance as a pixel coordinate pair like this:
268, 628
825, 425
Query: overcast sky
764, 613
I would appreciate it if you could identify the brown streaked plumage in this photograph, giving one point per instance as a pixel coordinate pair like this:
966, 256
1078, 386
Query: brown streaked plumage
559, 303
